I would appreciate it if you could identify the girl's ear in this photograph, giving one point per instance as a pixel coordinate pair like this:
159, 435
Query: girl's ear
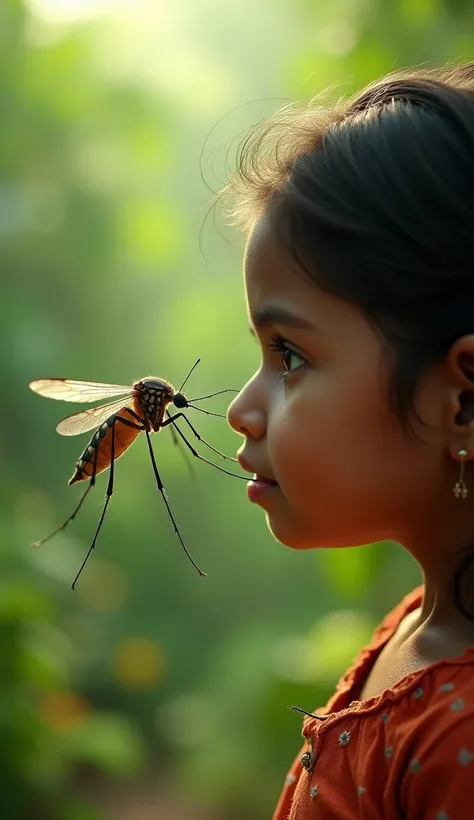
460, 369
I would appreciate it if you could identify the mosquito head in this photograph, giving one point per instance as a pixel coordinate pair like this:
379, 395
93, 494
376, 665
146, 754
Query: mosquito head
180, 400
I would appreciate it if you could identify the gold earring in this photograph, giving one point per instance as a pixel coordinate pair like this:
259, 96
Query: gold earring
460, 488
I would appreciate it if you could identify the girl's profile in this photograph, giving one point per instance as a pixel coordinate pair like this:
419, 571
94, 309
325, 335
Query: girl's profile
358, 425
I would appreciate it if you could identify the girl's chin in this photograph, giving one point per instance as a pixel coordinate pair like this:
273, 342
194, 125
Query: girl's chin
294, 531
297, 534
291, 536
299, 538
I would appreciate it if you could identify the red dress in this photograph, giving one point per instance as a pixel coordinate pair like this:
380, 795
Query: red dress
405, 754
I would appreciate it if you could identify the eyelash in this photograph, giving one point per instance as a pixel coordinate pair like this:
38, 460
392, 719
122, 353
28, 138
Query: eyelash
279, 344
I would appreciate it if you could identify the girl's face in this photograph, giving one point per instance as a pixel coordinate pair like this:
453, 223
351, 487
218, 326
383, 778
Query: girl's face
315, 416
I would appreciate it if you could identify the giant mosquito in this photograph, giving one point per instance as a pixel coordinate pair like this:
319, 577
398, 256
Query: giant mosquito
141, 408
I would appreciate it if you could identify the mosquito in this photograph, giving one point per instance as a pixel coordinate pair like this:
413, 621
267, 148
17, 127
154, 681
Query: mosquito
141, 408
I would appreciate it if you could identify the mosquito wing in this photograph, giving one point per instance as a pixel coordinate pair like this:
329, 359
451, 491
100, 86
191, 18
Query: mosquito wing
89, 419
73, 390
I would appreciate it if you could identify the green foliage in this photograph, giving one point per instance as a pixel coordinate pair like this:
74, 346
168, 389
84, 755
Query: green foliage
47, 728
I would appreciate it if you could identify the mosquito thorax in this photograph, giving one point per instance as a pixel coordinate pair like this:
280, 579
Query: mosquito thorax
153, 383
180, 400
154, 395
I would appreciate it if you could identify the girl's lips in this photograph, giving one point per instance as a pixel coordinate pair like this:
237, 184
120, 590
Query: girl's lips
258, 486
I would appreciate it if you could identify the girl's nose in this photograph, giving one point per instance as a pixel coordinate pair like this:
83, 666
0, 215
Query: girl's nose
245, 415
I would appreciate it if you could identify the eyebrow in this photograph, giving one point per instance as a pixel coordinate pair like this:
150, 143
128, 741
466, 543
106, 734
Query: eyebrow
278, 316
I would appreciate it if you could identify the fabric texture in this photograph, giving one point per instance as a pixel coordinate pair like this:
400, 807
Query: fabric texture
407, 753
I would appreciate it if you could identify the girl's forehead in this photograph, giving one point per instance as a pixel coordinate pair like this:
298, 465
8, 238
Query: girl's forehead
259, 242
275, 284
270, 272
267, 268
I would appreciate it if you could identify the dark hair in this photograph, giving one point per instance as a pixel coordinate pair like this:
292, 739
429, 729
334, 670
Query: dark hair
373, 197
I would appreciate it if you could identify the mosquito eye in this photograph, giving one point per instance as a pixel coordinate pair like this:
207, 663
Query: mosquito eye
179, 400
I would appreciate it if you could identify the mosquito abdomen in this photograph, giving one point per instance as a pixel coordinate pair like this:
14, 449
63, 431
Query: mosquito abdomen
101, 442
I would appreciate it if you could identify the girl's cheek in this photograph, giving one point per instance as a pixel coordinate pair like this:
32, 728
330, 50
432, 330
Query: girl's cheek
287, 439
303, 434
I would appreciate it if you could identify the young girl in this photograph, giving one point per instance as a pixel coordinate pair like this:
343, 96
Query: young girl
359, 424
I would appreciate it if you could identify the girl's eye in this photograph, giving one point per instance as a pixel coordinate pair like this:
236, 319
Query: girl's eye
291, 360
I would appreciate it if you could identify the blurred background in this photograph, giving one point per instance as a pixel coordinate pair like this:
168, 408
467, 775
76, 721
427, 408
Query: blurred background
150, 692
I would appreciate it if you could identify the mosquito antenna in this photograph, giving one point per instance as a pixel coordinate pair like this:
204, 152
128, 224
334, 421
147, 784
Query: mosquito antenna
187, 377
211, 395
207, 412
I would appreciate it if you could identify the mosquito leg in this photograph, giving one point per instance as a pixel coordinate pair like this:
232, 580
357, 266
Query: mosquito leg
81, 501
185, 418
177, 443
161, 489
195, 453
109, 491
